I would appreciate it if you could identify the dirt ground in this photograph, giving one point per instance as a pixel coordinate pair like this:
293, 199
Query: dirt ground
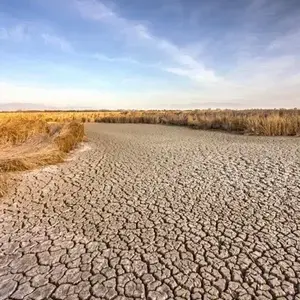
157, 212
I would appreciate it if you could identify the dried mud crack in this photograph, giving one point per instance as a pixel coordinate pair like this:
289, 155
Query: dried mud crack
156, 212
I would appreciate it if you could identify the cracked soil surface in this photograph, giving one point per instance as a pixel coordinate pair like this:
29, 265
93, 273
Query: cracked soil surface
157, 212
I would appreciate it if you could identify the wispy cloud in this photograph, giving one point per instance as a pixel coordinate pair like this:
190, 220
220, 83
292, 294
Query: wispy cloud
57, 41
184, 64
124, 60
94, 10
289, 42
17, 33
249, 78
35, 32
196, 74
103, 57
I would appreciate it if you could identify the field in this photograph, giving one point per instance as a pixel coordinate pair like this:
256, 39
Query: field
27, 142
282, 122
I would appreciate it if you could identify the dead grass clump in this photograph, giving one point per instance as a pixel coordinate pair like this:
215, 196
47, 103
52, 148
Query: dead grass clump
16, 131
27, 144
71, 134
31, 161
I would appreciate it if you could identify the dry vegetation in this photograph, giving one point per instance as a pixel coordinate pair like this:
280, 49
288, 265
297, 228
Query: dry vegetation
32, 139
281, 122
27, 141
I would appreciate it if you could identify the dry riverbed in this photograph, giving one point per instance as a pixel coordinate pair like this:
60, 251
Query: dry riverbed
157, 212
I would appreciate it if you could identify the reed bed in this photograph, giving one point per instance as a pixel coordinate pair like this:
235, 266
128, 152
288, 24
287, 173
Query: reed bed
276, 122
37, 138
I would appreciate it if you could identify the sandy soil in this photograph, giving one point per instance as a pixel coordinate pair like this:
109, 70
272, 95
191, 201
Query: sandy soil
157, 212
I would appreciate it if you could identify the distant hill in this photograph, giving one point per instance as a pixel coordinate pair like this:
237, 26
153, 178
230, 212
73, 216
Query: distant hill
23, 106
16, 106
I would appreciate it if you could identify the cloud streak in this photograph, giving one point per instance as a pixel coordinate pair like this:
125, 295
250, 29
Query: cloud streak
17, 33
103, 57
185, 64
57, 42
30, 31
260, 70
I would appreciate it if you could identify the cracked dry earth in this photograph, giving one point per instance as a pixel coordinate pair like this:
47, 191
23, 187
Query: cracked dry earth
157, 212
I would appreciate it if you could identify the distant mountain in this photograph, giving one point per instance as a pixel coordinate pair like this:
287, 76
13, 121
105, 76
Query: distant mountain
204, 105
23, 106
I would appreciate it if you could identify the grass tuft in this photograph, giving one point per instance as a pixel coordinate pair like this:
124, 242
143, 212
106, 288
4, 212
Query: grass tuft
28, 143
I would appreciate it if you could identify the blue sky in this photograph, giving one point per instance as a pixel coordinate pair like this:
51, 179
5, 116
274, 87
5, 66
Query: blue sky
150, 54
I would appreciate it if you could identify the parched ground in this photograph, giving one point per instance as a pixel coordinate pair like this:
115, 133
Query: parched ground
157, 212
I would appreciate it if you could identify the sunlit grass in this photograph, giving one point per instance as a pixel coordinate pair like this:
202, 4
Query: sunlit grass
281, 122
27, 142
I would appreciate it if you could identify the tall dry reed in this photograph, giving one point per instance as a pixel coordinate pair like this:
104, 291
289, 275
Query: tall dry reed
276, 122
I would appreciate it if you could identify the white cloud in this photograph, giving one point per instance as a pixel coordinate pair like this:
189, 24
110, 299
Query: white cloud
252, 72
56, 41
97, 11
32, 31
124, 59
103, 57
17, 33
289, 42
3, 34
207, 77
94, 10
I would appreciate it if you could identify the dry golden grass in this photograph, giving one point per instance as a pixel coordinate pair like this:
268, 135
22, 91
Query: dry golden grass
27, 142
32, 139
276, 122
